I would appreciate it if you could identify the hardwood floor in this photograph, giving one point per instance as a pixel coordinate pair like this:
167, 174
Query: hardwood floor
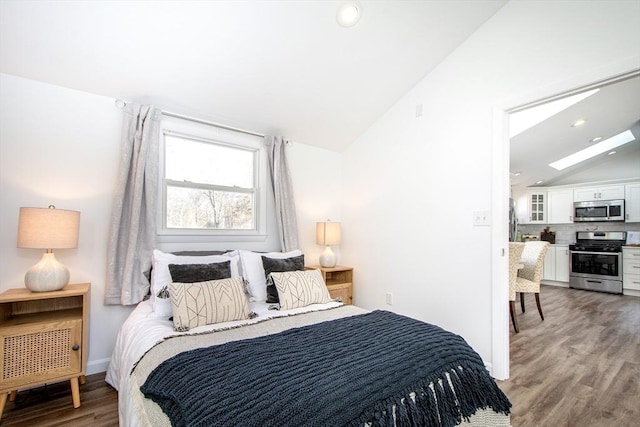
581, 366
51, 405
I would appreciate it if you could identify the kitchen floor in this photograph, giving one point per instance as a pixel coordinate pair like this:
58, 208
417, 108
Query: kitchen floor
581, 366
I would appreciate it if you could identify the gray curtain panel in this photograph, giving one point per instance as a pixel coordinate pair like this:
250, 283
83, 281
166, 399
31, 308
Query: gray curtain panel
283, 192
133, 219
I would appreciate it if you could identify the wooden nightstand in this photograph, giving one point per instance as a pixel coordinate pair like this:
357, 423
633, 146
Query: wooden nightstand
339, 280
43, 339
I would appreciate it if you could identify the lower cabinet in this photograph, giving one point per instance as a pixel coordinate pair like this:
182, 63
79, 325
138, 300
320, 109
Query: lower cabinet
631, 268
557, 264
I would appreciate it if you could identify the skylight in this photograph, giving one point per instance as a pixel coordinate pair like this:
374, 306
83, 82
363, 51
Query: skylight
526, 119
589, 152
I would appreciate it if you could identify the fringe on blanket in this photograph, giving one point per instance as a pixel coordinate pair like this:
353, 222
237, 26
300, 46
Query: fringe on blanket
444, 401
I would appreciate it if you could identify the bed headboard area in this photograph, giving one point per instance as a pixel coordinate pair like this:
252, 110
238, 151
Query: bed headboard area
200, 253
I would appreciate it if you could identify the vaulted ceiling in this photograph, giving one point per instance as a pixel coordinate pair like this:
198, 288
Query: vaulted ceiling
287, 68
612, 109
276, 67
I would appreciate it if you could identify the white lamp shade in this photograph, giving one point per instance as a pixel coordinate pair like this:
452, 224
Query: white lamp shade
328, 233
48, 228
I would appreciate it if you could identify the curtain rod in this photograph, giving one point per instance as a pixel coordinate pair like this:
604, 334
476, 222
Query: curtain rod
121, 104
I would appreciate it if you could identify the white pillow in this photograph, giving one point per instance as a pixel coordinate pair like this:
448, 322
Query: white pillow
161, 277
253, 270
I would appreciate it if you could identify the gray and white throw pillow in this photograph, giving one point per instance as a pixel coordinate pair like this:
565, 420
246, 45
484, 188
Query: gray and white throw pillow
205, 303
300, 288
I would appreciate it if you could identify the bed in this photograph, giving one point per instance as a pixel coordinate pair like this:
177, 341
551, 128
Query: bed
313, 361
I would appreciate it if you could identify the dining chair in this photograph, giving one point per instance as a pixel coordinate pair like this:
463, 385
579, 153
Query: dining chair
515, 252
529, 276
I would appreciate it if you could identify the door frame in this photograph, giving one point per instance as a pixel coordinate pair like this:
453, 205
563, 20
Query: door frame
500, 191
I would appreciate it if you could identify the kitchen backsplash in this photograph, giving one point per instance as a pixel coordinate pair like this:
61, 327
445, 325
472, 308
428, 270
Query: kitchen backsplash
566, 233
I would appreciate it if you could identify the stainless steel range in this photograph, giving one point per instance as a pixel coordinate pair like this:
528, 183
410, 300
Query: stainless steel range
596, 261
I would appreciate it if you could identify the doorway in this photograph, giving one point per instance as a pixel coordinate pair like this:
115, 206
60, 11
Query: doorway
501, 184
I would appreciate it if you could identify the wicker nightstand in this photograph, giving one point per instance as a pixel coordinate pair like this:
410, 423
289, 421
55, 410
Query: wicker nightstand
339, 280
43, 339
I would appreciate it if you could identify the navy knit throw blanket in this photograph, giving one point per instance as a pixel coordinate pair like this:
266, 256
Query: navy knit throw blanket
379, 368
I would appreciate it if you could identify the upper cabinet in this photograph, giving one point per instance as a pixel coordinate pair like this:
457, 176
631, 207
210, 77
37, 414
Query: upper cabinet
560, 206
632, 202
554, 205
531, 206
605, 192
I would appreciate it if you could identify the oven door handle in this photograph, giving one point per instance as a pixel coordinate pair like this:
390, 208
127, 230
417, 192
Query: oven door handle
596, 253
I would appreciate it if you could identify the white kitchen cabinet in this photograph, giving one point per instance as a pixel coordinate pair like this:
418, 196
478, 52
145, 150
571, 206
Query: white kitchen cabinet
560, 206
556, 264
549, 266
531, 206
563, 263
603, 192
630, 268
632, 202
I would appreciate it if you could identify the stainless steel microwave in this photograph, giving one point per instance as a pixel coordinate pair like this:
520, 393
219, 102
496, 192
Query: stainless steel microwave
598, 210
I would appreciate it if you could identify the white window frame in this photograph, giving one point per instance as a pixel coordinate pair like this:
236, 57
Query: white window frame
199, 131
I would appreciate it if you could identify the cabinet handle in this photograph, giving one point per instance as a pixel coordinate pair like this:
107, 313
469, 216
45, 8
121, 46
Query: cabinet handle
75, 347
595, 195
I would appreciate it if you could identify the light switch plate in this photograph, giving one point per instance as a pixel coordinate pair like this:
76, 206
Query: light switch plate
481, 218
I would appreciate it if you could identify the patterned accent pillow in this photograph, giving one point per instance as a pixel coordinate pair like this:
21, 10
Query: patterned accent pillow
279, 265
300, 288
204, 303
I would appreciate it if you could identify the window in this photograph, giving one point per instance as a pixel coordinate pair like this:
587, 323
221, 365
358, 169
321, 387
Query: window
211, 180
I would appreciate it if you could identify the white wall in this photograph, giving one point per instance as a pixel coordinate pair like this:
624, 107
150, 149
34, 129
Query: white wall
317, 184
413, 183
61, 146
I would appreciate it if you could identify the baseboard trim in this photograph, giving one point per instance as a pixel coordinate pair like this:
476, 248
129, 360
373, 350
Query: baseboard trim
555, 283
97, 366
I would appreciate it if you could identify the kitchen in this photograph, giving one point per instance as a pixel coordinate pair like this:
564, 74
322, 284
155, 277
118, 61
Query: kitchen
571, 206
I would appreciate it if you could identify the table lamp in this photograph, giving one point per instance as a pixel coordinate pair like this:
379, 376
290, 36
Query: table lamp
327, 234
47, 228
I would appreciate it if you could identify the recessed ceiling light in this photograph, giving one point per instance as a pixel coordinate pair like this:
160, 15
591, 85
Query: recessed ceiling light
349, 13
578, 122
539, 182
589, 152
596, 139
611, 152
517, 173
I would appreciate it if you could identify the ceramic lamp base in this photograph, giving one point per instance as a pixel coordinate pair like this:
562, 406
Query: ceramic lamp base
328, 258
47, 275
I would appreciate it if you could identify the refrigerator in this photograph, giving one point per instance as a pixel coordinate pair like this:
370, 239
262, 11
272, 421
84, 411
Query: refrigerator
513, 220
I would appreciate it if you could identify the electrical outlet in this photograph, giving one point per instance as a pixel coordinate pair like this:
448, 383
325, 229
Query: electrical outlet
481, 218
389, 298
